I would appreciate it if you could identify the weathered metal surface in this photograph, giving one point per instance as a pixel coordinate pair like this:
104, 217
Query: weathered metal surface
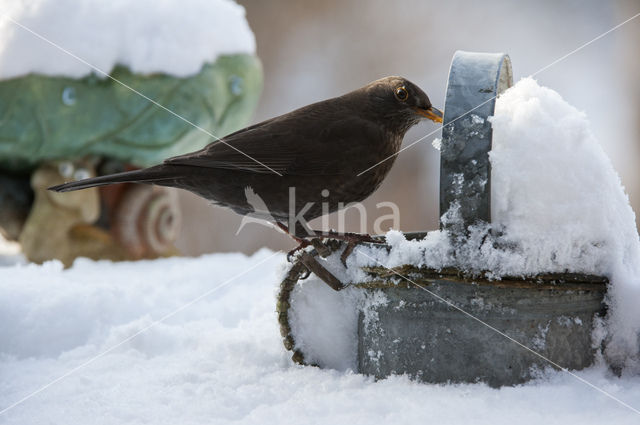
46, 118
418, 334
475, 80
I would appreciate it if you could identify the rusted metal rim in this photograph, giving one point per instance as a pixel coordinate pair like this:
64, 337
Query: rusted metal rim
381, 277
297, 270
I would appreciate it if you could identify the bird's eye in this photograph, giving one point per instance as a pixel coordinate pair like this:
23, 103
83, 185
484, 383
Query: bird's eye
402, 94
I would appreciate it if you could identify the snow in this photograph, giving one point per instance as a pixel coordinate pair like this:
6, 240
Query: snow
557, 205
556, 194
147, 36
328, 340
325, 322
220, 360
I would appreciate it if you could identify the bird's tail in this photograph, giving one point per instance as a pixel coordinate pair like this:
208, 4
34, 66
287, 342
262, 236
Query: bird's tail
155, 174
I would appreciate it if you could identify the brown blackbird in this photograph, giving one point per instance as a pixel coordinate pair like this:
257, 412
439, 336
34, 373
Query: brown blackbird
296, 162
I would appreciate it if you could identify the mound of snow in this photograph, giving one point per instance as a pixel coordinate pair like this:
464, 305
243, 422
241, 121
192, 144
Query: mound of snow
147, 36
559, 200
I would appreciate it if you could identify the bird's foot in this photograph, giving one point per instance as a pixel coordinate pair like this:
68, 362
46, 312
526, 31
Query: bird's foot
347, 237
302, 244
352, 240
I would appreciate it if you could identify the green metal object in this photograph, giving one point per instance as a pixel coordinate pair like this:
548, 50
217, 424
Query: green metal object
46, 118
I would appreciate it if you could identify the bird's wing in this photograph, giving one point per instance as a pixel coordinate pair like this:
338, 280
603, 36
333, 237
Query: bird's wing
252, 150
294, 144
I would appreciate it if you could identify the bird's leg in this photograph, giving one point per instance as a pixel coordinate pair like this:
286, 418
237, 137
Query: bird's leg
302, 243
352, 239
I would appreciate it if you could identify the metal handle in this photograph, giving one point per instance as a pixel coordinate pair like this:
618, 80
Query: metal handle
475, 80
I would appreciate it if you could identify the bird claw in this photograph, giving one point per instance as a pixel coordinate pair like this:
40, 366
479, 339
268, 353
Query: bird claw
347, 251
291, 255
324, 249
306, 274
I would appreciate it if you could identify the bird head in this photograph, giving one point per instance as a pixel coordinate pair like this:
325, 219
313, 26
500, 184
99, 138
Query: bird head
400, 100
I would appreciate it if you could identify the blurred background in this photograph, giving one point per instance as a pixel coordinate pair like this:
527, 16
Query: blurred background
315, 50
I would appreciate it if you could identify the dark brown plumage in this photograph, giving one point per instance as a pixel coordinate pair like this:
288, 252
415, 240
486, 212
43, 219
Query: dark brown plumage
322, 146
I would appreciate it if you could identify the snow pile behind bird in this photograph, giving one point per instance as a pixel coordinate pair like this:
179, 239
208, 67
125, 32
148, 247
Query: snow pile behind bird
147, 36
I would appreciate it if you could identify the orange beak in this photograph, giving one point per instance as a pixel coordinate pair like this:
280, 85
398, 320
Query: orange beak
432, 113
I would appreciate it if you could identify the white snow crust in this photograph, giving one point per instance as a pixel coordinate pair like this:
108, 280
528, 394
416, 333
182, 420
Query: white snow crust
147, 36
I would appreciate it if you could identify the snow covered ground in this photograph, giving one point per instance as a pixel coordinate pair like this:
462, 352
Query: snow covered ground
220, 360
